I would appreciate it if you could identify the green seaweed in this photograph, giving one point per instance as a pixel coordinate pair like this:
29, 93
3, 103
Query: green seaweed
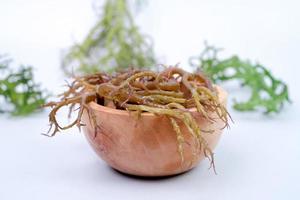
22, 96
114, 43
267, 92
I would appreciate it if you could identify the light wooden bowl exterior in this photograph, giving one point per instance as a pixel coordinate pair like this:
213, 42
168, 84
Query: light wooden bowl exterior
146, 146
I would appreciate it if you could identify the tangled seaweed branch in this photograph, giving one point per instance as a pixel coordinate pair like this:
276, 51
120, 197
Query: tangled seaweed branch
114, 43
267, 91
21, 94
172, 93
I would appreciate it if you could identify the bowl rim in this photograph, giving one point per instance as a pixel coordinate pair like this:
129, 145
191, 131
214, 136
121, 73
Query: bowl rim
97, 107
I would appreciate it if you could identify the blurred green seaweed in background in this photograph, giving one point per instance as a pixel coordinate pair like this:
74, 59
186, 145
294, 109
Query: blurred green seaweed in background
114, 43
20, 94
267, 92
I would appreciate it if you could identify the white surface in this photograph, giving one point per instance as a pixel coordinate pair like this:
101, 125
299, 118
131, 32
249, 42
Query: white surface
259, 158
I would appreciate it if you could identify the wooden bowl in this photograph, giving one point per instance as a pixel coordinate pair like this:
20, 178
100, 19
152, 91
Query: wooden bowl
146, 146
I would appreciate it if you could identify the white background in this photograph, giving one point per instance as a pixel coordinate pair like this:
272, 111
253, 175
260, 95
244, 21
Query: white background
258, 158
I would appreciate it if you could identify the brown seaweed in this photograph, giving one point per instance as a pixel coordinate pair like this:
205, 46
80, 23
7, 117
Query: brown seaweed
171, 93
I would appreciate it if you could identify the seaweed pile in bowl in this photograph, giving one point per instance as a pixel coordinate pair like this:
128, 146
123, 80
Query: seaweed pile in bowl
173, 92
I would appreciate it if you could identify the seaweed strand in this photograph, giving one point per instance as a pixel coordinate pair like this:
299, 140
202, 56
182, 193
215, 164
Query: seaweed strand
171, 93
